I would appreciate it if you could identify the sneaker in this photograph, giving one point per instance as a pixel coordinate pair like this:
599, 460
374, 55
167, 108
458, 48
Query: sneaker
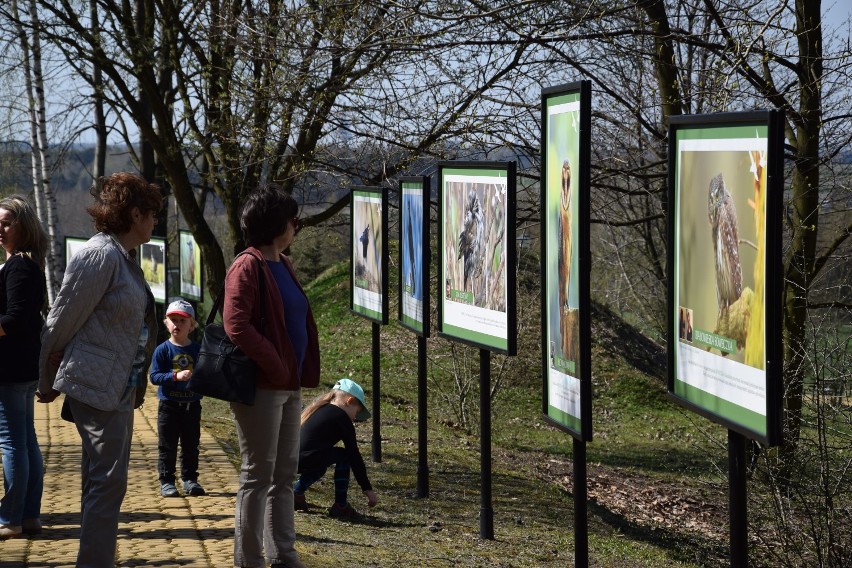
344, 512
293, 563
193, 488
10, 531
300, 503
169, 490
31, 526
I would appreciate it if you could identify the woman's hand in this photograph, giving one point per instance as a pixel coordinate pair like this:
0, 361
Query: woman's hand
47, 397
55, 358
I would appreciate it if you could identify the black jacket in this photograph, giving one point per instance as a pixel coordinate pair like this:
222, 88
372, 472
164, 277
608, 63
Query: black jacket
22, 292
323, 430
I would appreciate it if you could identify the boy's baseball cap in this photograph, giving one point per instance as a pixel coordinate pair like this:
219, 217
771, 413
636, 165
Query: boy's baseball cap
181, 308
351, 387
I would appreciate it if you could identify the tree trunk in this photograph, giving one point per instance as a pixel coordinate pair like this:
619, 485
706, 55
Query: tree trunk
145, 30
44, 199
52, 270
100, 119
804, 211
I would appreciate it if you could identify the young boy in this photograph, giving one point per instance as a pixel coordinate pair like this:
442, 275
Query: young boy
179, 413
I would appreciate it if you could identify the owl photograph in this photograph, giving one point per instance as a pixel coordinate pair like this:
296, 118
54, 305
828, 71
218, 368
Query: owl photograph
562, 206
473, 244
726, 254
564, 258
718, 248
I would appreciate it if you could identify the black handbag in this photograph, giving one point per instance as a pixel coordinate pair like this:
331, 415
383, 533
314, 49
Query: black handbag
223, 371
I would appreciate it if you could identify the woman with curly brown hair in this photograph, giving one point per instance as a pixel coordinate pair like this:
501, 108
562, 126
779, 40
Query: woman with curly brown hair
96, 347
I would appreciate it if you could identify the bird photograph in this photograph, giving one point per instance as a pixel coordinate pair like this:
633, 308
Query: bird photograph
190, 266
567, 319
365, 240
366, 243
725, 237
473, 241
716, 249
188, 261
152, 257
562, 199
412, 246
471, 248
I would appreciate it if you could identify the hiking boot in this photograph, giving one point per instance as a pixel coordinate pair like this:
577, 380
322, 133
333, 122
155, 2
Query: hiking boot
193, 488
300, 503
343, 512
169, 490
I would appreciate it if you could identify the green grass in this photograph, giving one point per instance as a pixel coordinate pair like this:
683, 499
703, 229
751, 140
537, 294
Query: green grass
640, 438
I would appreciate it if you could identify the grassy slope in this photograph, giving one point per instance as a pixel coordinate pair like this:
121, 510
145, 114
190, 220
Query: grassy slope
652, 502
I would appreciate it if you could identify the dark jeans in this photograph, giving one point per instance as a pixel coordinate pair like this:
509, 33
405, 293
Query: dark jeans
23, 467
315, 467
178, 422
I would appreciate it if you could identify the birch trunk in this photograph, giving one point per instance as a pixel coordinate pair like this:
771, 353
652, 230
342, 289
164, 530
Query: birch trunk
48, 213
35, 155
44, 201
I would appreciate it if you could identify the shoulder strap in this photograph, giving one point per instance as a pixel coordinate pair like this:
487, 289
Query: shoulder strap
220, 299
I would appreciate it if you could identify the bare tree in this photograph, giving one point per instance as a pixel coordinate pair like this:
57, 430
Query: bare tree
44, 198
310, 95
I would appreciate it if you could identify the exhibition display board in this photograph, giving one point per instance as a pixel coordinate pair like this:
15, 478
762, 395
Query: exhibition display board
725, 276
565, 258
368, 253
476, 244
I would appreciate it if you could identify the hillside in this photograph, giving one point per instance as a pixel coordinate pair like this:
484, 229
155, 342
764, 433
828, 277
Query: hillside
655, 498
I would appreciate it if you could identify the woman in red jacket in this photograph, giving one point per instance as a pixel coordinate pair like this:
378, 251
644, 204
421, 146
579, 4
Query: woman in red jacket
285, 347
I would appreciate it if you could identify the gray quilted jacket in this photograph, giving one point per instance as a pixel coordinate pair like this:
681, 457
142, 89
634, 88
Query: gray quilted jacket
95, 320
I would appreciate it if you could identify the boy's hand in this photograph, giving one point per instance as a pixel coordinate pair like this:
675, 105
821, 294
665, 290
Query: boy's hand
183, 376
372, 499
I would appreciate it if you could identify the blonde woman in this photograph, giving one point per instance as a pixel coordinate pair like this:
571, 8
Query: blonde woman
22, 292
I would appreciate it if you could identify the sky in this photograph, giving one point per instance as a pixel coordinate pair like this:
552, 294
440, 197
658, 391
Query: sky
837, 10
836, 20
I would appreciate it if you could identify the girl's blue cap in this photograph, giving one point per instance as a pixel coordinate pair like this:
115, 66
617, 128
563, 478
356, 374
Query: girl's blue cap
351, 387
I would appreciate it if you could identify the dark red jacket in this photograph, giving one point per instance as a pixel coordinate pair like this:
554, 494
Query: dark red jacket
271, 349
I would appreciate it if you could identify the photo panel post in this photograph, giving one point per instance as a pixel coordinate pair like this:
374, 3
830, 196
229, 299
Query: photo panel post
725, 275
476, 244
414, 296
414, 254
565, 258
369, 253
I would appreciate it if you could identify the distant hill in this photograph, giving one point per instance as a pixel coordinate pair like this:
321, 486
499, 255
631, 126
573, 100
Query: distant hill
70, 180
